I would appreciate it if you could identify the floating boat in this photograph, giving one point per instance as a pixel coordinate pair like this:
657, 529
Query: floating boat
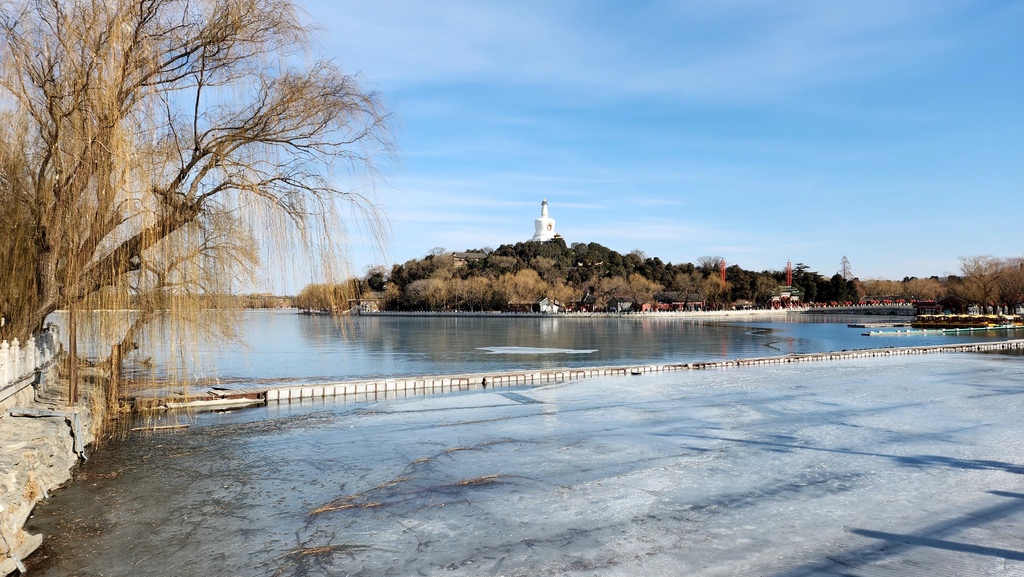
941, 331
903, 332
219, 398
967, 321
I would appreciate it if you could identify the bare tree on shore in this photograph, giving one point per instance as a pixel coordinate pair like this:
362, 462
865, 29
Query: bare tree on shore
979, 282
708, 265
844, 269
640, 290
1011, 283
152, 150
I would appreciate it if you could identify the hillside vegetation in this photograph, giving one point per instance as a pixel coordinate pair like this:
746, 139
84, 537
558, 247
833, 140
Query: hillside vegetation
512, 276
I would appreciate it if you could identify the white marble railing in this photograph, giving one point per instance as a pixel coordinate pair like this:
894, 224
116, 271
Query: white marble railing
20, 360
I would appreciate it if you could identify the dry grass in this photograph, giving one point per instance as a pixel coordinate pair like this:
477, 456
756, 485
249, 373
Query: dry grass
344, 504
354, 501
301, 560
375, 497
324, 550
91, 476
457, 449
32, 489
485, 480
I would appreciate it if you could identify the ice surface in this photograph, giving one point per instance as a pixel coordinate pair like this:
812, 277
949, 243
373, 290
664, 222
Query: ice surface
896, 466
535, 351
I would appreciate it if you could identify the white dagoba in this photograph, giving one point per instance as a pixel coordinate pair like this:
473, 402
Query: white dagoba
544, 227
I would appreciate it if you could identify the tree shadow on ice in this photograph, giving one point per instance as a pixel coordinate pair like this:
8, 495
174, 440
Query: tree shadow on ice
972, 464
809, 482
935, 536
905, 460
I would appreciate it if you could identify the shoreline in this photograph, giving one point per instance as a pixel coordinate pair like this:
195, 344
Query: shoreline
42, 441
867, 310
503, 315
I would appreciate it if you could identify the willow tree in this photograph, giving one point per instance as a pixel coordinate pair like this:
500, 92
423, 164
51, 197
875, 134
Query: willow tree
152, 150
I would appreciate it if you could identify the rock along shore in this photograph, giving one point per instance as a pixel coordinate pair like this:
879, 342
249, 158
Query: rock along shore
39, 450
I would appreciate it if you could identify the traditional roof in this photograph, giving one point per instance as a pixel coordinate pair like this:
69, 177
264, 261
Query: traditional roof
469, 255
788, 291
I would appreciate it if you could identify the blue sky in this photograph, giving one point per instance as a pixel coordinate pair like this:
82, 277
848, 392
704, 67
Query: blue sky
889, 132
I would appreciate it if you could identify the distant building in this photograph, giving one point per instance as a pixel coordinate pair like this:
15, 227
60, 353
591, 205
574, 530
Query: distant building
679, 301
953, 304
619, 305
461, 258
787, 296
544, 305
544, 226
927, 308
587, 304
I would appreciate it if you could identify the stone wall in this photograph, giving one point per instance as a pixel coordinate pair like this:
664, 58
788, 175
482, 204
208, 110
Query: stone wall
20, 393
37, 455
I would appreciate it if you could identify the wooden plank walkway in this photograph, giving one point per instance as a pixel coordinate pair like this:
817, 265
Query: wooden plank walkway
382, 389
415, 386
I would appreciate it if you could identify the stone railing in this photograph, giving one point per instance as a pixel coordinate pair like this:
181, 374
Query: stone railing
20, 361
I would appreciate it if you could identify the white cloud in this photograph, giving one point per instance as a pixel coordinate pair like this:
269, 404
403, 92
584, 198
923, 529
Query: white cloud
734, 50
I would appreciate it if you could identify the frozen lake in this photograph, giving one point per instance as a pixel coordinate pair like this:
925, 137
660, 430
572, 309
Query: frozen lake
897, 466
283, 346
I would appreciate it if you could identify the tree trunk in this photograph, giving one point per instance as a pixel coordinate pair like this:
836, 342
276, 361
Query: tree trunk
72, 355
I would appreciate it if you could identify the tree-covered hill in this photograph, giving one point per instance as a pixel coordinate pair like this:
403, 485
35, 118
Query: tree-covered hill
589, 276
582, 274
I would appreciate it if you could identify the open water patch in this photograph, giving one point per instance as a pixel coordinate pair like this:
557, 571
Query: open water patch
534, 351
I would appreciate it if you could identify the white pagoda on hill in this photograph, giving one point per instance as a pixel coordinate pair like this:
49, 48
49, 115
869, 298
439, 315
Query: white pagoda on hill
544, 226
